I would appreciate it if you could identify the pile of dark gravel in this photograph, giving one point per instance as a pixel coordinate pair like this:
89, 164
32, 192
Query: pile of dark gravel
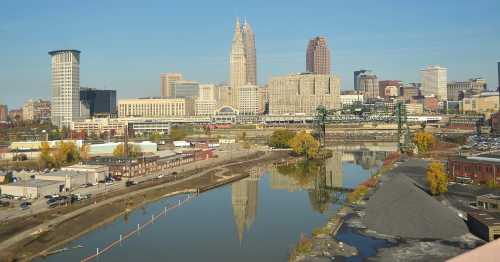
400, 208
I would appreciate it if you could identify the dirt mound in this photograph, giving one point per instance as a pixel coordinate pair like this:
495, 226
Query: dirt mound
400, 208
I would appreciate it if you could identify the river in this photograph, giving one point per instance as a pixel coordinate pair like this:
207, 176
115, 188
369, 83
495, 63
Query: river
259, 218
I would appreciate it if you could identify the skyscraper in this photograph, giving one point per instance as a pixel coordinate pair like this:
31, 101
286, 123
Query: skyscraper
166, 84
368, 83
498, 69
65, 105
356, 78
318, 56
250, 54
434, 81
237, 63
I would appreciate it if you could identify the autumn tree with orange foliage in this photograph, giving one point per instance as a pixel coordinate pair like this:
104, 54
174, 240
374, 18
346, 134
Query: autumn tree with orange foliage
424, 141
436, 178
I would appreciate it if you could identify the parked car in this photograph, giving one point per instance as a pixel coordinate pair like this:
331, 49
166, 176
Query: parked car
25, 205
130, 183
161, 175
109, 183
4, 204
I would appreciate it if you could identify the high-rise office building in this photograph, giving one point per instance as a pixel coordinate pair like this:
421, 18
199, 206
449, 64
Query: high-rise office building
4, 113
65, 105
368, 83
434, 82
237, 62
318, 56
166, 84
303, 93
185, 89
98, 102
356, 78
250, 54
498, 71
36, 110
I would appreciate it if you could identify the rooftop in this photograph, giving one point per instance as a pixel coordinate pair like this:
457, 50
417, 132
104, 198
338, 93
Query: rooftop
64, 51
33, 183
62, 173
487, 218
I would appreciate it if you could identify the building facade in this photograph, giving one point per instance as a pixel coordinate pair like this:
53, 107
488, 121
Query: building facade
318, 56
4, 113
348, 98
457, 90
434, 82
385, 83
249, 100
206, 104
166, 84
65, 105
408, 93
250, 54
303, 93
368, 83
151, 107
98, 102
36, 110
356, 78
485, 103
185, 89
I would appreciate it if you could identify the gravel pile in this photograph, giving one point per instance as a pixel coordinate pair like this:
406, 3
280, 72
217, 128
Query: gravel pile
400, 208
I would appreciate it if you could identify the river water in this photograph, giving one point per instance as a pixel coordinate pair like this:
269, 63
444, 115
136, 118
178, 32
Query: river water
259, 218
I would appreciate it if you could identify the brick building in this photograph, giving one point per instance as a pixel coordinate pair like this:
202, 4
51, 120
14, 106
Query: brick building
478, 169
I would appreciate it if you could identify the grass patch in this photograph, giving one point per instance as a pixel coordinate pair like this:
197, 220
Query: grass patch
303, 247
320, 231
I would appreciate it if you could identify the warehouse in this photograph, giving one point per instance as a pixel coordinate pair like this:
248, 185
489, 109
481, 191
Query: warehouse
33, 188
94, 173
70, 179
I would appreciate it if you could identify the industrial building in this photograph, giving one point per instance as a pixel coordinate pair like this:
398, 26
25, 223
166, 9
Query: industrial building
69, 179
33, 188
485, 225
94, 173
479, 169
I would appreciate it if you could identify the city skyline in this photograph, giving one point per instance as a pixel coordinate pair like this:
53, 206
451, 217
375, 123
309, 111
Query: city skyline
131, 67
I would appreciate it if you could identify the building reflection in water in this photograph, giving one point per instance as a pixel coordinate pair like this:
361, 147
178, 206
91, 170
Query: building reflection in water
244, 198
322, 181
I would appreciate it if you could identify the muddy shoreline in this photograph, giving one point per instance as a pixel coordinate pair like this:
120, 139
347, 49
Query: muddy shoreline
57, 235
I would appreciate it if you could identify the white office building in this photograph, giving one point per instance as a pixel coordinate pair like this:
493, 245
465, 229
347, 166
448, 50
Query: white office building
435, 81
65, 105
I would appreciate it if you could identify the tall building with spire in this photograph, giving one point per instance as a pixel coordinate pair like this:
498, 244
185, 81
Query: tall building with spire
237, 64
318, 56
250, 54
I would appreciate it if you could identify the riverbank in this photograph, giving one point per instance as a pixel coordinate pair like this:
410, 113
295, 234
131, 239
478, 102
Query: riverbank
393, 221
58, 226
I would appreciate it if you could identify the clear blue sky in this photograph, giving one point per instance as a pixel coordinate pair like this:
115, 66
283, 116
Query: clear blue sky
126, 44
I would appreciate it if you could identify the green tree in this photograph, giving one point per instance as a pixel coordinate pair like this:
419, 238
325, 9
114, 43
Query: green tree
155, 137
436, 178
133, 150
281, 138
177, 133
305, 144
